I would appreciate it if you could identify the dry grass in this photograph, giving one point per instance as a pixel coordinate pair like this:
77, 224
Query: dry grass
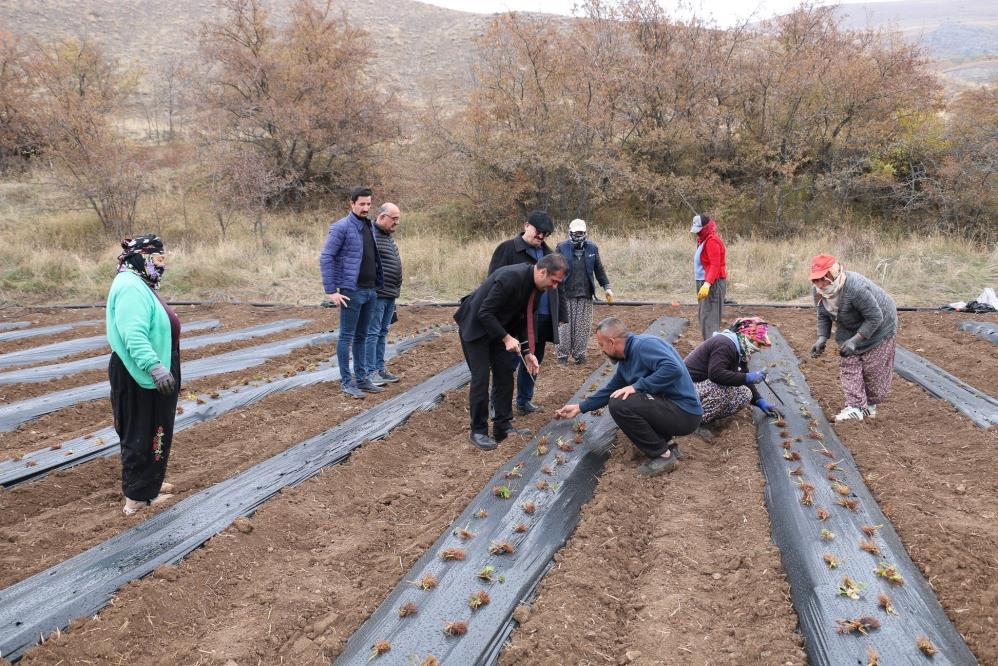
52, 255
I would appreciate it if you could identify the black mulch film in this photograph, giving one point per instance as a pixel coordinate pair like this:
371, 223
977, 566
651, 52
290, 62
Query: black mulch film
104, 442
507, 578
84, 584
982, 329
981, 408
834, 583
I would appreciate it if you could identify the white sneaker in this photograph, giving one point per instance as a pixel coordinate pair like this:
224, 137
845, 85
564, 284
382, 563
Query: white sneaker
134, 506
870, 411
849, 414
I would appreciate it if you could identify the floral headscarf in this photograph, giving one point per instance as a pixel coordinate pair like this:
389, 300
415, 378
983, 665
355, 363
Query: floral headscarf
752, 333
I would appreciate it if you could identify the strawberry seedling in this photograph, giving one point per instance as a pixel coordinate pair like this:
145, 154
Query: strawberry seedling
464, 534
452, 554
851, 504
861, 625
822, 513
869, 546
885, 602
180, 409
541, 484
520, 528
872, 658
479, 599
850, 588
502, 492
501, 548
542, 440
792, 455
787, 444
784, 433
827, 535
797, 471
578, 438
515, 473
870, 530
926, 646
481, 513
486, 573
780, 422
831, 561
408, 609
580, 426
547, 470
528, 507
560, 459
379, 649
816, 434
807, 498
542, 450
840, 488
890, 572
834, 466
457, 628
564, 446
427, 582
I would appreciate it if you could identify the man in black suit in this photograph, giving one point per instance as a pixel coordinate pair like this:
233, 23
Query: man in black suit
529, 248
492, 321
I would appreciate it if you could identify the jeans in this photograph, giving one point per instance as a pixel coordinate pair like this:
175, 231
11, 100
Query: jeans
355, 319
377, 333
524, 382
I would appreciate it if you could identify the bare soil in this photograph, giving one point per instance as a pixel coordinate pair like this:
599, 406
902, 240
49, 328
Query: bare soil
672, 570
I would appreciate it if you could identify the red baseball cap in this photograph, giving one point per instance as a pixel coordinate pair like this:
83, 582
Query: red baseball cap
821, 264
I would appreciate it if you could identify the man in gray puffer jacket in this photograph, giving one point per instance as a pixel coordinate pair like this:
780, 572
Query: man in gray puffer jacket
384, 308
866, 329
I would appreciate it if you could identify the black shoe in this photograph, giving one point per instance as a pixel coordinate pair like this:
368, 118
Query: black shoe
354, 392
482, 441
366, 385
704, 434
674, 447
503, 434
389, 377
528, 408
658, 465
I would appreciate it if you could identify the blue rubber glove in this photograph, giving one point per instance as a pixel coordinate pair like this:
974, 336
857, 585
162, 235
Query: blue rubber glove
768, 409
755, 377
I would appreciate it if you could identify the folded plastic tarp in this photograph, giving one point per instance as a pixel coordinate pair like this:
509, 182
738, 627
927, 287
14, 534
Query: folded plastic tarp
16, 413
44, 373
982, 329
819, 554
81, 586
104, 442
11, 325
513, 576
46, 330
979, 406
76, 346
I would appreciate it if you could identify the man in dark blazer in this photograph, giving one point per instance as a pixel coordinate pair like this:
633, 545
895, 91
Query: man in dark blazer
492, 321
528, 248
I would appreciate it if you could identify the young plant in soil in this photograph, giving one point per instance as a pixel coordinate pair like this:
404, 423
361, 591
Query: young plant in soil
926, 646
840, 488
547, 470
528, 507
890, 572
379, 649
580, 426
831, 561
885, 602
834, 466
502, 492
457, 628
564, 446
851, 504
541, 484
797, 471
780, 422
791, 455
429, 661
807, 498
464, 533
408, 609
850, 588
827, 535
427, 582
560, 459
872, 658
479, 599
861, 625
822, 513
870, 546
486, 573
521, 527
823, 450
542, 440
578, 438
784, 433
501, 548
481, 513
542, 450
515, 473
870, 530
787, 444
816, 434
452, 554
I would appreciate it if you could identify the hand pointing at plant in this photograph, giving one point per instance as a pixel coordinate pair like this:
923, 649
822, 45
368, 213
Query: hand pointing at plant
567, 412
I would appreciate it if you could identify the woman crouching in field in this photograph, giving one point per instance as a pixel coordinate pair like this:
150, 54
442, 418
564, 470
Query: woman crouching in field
144, 334
719, 369
866, 323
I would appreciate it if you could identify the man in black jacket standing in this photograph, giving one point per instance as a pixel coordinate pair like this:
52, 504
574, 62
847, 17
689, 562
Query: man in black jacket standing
384, 308
492, 321
528, 248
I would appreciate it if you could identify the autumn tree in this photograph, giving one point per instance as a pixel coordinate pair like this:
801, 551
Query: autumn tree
297, 101
19, 136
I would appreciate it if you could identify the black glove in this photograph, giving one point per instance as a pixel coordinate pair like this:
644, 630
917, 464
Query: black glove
165, 383
849, 348
818, 348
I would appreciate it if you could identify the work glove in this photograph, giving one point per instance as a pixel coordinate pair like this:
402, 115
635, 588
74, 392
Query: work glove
849, 348
609, 297
818, 348
768, 409
755, 377
165, 383
704, 291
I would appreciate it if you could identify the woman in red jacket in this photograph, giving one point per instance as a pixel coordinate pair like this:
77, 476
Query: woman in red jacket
710, 272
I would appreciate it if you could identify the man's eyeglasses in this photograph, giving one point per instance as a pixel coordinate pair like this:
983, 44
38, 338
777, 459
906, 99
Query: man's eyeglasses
541, 234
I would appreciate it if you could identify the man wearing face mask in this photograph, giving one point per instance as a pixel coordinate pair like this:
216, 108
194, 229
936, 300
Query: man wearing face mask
529, 248
651, 396
866, 322
578, 290
720, 372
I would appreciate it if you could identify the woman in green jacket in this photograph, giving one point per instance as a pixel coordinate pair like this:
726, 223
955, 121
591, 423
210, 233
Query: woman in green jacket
144, 334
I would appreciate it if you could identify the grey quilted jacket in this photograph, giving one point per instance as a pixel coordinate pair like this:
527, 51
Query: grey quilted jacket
864, 308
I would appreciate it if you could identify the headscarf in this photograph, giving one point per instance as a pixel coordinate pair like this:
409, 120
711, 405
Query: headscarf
136, 258
752, 334
830, 294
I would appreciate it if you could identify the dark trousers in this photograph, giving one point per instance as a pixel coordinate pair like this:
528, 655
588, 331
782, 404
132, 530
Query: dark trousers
143, 419
650, 421
485, 357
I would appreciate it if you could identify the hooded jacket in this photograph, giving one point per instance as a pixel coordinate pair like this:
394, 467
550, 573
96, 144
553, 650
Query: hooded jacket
714, 253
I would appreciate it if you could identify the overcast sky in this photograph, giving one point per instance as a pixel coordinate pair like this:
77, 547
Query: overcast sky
725, 12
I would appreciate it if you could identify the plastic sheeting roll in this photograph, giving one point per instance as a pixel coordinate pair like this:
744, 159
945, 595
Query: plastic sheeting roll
12, 325
798, 532
514, 576
76, 346
47, 330
82, 585
982, 329
979, 406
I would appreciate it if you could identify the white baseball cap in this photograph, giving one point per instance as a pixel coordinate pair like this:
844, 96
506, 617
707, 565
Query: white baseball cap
576, 225
697, 224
